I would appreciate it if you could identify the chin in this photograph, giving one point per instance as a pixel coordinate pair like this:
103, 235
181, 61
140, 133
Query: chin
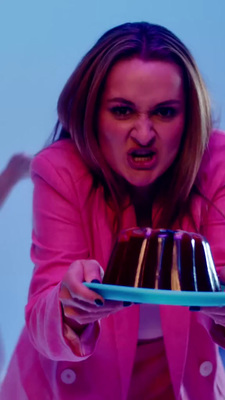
141, 185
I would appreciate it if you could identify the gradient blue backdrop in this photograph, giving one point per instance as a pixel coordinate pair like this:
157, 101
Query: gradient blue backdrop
40, 44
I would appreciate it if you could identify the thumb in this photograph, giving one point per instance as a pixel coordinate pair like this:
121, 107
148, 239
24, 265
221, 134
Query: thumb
221, 275
92, 271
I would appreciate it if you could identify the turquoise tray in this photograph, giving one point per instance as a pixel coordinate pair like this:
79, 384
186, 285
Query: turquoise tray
158, 296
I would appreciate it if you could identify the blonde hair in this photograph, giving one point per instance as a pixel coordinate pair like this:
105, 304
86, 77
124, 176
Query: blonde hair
79, 102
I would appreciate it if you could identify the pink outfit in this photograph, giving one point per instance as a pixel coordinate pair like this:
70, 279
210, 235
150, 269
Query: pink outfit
149, 322
71, 222
151, 382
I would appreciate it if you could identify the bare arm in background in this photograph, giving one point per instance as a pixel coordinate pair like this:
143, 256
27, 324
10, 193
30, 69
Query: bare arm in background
16, 169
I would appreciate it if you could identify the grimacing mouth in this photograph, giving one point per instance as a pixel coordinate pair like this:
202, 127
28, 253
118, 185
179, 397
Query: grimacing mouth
142, 154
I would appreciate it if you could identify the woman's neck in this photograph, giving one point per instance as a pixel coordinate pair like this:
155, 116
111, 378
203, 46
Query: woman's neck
141, 198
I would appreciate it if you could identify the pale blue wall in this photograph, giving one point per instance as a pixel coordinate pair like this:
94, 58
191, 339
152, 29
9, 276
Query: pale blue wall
40, 43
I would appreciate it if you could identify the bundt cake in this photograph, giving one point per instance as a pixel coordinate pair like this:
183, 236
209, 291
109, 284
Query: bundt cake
162, 259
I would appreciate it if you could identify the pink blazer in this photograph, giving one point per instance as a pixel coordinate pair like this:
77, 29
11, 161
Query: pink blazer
71, 222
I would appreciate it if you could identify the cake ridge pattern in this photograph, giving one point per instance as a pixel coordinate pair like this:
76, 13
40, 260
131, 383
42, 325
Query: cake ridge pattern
162, 259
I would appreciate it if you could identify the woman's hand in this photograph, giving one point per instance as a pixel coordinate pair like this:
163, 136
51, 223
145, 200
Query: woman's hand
217, 313
81, 305
18, 167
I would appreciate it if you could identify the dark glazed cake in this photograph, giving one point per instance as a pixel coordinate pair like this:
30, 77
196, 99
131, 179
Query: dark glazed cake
162, 259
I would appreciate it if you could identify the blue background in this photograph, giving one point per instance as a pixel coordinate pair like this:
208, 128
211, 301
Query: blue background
40, 44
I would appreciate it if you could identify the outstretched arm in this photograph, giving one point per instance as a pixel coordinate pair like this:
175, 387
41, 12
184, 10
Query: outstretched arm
16, 169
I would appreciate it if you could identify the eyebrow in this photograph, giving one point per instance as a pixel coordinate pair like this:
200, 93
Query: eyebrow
130, 103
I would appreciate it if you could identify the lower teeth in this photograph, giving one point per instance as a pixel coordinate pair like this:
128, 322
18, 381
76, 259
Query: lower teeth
138, 159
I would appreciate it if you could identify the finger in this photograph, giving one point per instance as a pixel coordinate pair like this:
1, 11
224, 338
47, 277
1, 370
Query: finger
221, 275
75, 312
216, 313
74, 278
79, 292
93, 271
109, 306
220, 320
82, 317
84, 271
213, 310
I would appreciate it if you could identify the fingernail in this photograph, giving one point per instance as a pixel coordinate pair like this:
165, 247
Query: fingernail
98, 302
95, 281
126, 303
194, 308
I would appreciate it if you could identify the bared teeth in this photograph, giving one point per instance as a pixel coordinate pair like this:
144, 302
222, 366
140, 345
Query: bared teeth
142, 155
142, 158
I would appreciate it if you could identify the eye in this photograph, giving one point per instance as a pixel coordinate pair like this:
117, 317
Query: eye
166, 112
121, 111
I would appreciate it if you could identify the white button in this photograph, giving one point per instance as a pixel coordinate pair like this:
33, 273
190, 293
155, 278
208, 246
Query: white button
68, 376
206, 368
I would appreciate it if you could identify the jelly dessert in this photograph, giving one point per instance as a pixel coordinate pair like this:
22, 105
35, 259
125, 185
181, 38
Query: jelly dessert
162, 259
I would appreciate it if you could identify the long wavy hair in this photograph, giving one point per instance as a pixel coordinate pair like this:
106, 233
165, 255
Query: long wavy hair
78, 107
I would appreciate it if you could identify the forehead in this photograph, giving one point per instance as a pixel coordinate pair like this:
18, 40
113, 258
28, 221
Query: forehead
131, 76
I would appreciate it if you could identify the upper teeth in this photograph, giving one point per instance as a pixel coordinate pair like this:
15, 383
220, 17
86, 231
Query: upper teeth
136, 154
142, 158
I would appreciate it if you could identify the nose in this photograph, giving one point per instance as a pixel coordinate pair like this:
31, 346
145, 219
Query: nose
143, 132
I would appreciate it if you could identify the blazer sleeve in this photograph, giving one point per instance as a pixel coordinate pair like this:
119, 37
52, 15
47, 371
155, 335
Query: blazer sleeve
58, 239
213, 184
214, 218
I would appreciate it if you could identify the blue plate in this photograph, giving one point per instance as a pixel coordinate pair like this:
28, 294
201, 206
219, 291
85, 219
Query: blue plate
158, 296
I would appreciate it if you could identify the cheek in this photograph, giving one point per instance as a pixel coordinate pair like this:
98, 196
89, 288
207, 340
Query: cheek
111, 135
173, 141
104, 134
109, 141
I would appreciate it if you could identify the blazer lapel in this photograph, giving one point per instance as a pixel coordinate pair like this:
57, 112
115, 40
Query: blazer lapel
126, 324
175, 322
103, 219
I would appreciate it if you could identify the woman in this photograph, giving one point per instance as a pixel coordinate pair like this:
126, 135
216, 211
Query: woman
135, 130
16, 169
